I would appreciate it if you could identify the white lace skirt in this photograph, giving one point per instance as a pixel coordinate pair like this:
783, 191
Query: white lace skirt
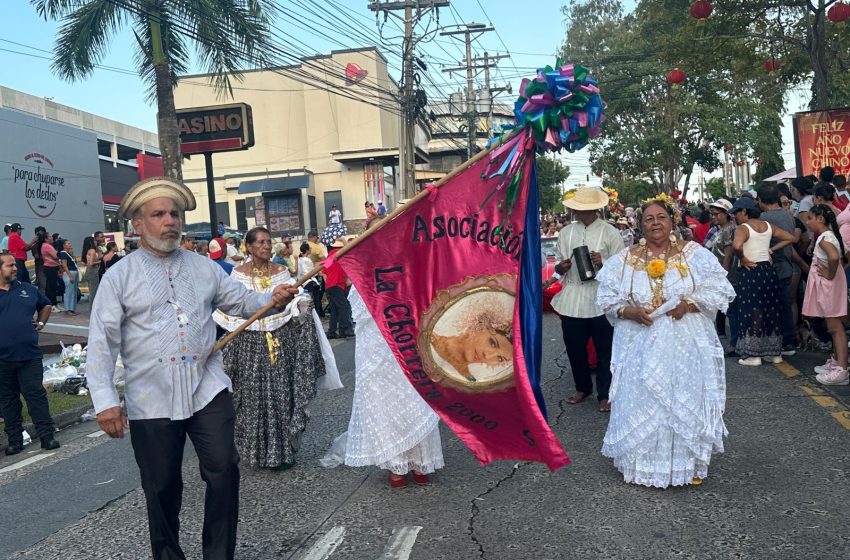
668, 397
391, 426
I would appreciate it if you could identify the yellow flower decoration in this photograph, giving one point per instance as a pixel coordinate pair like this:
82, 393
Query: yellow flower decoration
663, 197
683, 269
569, 195
656, 268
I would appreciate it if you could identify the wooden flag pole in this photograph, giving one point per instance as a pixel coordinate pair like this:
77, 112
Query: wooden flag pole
223, 341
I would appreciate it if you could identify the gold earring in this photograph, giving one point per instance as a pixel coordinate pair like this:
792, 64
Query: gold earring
642, 242
673, 240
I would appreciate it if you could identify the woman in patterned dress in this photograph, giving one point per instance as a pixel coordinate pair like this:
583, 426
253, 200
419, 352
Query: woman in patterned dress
276, 364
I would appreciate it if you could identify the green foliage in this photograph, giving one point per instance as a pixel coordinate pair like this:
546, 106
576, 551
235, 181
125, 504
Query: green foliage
631, 191
226, 35
715, 188
551, 174
661, 133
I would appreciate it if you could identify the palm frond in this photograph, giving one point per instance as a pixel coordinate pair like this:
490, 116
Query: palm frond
175, 49
235, 39
56, 9
84, 35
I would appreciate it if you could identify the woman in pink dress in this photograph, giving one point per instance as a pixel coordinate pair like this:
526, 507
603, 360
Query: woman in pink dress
826, 291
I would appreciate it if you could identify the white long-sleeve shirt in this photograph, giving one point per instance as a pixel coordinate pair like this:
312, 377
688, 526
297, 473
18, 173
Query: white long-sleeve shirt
576, 298
156, 311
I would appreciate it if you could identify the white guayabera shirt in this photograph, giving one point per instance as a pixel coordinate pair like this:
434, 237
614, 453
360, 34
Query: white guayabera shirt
576, 298
156, 312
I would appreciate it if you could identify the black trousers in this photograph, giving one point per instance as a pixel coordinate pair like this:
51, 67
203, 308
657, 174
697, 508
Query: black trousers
340, 311
23, 273
576, 334
158, 446
24, 378
317, 292
51, 283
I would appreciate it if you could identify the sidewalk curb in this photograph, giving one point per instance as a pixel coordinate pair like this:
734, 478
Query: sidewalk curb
62, 420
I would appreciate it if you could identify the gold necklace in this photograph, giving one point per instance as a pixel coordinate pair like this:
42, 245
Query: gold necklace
656, 269
263, 276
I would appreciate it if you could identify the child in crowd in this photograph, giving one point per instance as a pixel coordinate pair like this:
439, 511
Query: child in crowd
826, 291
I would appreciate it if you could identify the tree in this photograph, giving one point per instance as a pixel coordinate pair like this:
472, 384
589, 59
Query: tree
631, 191
551, 174
813, 51
659, 132
715, 187
226, 34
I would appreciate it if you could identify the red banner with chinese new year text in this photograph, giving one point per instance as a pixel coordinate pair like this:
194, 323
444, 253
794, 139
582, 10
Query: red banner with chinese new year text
822, 139
442, 281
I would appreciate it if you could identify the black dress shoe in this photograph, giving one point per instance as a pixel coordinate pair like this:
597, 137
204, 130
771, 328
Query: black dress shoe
49, 443
331, 336
14, 448
347, 334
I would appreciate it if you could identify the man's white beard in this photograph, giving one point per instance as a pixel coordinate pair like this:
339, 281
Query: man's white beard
162, 246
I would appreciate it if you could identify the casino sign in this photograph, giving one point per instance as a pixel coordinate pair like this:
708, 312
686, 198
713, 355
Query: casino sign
218, 128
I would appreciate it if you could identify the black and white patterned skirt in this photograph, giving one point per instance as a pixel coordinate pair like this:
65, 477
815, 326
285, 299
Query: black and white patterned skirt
270, 399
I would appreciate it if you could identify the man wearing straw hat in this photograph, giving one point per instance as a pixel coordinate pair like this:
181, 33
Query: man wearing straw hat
154, 308
581, 318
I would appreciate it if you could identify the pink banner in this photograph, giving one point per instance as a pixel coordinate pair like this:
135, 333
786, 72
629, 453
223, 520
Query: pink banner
441, 281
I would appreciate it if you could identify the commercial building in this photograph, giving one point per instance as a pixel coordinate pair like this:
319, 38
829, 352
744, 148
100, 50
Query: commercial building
313, 148
64, 168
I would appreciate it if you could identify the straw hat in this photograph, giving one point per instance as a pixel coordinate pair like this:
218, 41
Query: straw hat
339, 243
156, 187
587, 198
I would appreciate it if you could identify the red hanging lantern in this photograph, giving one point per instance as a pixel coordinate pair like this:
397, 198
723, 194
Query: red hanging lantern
760, 161
676, 76
839, 13
700, 10
772, 65
740, 163
709, 170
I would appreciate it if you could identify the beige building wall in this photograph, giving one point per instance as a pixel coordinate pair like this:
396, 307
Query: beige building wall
301, 129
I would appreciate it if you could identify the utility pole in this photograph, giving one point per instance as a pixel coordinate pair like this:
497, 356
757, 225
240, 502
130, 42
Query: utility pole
471, 31
490, 62
407, 95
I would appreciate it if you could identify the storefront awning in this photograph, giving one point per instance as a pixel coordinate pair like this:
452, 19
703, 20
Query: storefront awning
387, 156
274, 184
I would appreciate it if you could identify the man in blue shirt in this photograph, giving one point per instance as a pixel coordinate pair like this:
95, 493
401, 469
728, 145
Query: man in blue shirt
20, 358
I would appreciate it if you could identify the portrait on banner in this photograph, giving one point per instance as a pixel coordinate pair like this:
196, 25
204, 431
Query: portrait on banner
466, 336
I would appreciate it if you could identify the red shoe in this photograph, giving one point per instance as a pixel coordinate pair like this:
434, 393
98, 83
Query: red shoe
397, 481
420, 478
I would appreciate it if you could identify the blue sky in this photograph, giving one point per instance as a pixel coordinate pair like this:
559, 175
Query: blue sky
532, 35
122, 97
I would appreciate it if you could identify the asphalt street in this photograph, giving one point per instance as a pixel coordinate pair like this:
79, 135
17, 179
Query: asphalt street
780, 491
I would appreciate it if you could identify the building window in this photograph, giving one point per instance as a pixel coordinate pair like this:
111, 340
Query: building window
373, 179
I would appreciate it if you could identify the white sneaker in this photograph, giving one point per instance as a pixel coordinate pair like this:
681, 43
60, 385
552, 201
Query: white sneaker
826, 367
773, 359
835, 376
752, 361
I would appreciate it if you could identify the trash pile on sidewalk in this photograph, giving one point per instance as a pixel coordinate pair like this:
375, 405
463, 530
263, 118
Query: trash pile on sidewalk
67, 372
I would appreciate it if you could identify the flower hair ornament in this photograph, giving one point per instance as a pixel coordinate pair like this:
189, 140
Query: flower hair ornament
665, 200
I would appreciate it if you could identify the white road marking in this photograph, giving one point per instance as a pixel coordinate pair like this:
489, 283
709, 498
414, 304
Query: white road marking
96, 434
326, 546
401, 543
26, 462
